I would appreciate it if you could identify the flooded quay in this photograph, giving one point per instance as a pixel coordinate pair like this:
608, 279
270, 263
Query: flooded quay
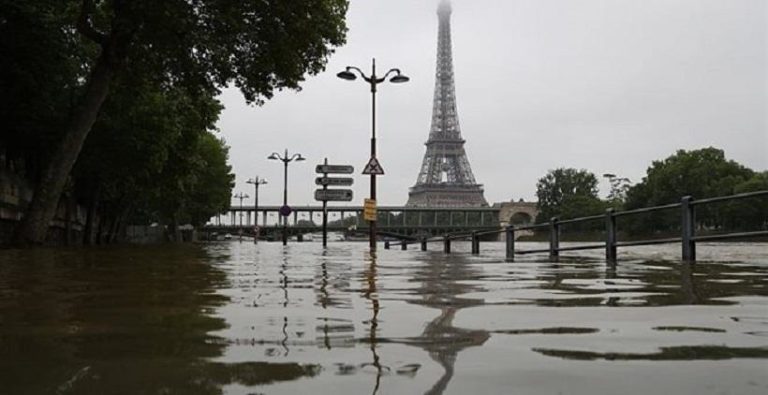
239, 318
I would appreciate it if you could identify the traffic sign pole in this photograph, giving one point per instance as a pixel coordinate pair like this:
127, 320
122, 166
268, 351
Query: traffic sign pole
336, 195
325, 209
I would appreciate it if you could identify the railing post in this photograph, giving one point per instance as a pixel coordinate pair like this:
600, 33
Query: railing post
610, 236
554, 238
475, 243
403, 245
386, 244
510, 238
423, 243
688, 229
446, 244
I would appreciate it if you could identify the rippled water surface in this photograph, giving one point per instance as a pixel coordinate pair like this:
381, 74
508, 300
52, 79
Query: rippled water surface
238, 318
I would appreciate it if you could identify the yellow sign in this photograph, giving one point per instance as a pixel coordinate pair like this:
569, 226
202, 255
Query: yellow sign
369, 210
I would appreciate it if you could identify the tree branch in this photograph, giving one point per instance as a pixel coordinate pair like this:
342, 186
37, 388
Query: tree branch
84, 25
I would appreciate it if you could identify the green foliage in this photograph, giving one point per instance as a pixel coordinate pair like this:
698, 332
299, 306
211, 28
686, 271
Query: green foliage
567, 193
40, 66
699, 173
151, 157
619, 188
210, 195
259, 46
750, 213
149, 151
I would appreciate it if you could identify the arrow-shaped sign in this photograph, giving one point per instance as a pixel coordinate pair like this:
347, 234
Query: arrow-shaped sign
333, 195
334, 181
337, 169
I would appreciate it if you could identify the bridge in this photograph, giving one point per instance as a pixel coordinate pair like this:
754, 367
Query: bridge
393, 221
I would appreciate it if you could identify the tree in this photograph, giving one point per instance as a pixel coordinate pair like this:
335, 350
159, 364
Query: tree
212, 191
699, 173
39, 66
567, 192
619, 188
750, 213
200, 45
151, 158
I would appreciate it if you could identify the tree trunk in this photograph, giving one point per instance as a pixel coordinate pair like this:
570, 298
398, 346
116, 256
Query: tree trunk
90, 218
71, 218
34, 226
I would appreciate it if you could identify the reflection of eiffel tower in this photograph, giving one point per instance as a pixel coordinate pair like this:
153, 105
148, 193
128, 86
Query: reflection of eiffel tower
444, 283
445, 179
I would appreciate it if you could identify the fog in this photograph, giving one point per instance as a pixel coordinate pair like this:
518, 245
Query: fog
607, 86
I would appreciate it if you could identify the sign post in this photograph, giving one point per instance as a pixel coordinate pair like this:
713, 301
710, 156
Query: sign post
337, 195
325, 208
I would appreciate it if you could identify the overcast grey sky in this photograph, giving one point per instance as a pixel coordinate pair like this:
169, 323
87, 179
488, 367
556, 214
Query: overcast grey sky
604, 85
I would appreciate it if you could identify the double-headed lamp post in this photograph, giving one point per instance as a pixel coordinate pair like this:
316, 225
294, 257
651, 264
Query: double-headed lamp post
241, 196
373, 81
285, 158
256, 181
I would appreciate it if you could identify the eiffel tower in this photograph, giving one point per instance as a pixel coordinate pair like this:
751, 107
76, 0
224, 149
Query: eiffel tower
445, 179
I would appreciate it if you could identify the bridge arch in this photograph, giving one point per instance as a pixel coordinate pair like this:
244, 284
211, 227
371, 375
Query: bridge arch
517, 213
520, 218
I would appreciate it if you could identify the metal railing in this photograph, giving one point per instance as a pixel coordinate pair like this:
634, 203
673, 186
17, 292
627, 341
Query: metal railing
688, 237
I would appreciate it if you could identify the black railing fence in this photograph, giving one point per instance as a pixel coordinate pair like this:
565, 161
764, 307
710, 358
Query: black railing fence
687, 239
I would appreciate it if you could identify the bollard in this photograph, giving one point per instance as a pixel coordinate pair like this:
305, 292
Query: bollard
386, 244
688, 229
446, 244
423, 243
510, 239
404, 245
475, 243
554, 239
610, 236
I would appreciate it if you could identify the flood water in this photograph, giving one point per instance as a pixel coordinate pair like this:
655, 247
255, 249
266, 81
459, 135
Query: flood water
238, 318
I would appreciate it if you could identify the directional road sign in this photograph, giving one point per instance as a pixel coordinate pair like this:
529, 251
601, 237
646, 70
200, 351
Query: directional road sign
336, 169
333, 195
285, 211
334, 181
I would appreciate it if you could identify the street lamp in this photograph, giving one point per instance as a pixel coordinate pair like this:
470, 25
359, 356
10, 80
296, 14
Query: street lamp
285, 211
256, 181
373, 81
241, 196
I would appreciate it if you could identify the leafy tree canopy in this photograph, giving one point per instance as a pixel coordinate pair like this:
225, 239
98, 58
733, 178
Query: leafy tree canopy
197, 46
699, 173
567, 192
256, 45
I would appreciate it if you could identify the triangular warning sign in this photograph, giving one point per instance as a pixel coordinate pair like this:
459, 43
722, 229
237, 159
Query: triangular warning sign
373, 167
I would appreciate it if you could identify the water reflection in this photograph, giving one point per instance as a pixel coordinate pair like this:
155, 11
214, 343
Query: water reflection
442, 280
681, 353
651, 283
239, 318
371, 295
127, 320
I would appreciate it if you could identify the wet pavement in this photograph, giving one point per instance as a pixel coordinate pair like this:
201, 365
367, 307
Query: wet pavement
238, 318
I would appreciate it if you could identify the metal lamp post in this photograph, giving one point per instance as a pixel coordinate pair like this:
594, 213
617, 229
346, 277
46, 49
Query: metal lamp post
241, 196
373, 81
285, 210
256, 181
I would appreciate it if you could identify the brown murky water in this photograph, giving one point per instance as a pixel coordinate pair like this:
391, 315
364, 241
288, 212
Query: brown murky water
232, 318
